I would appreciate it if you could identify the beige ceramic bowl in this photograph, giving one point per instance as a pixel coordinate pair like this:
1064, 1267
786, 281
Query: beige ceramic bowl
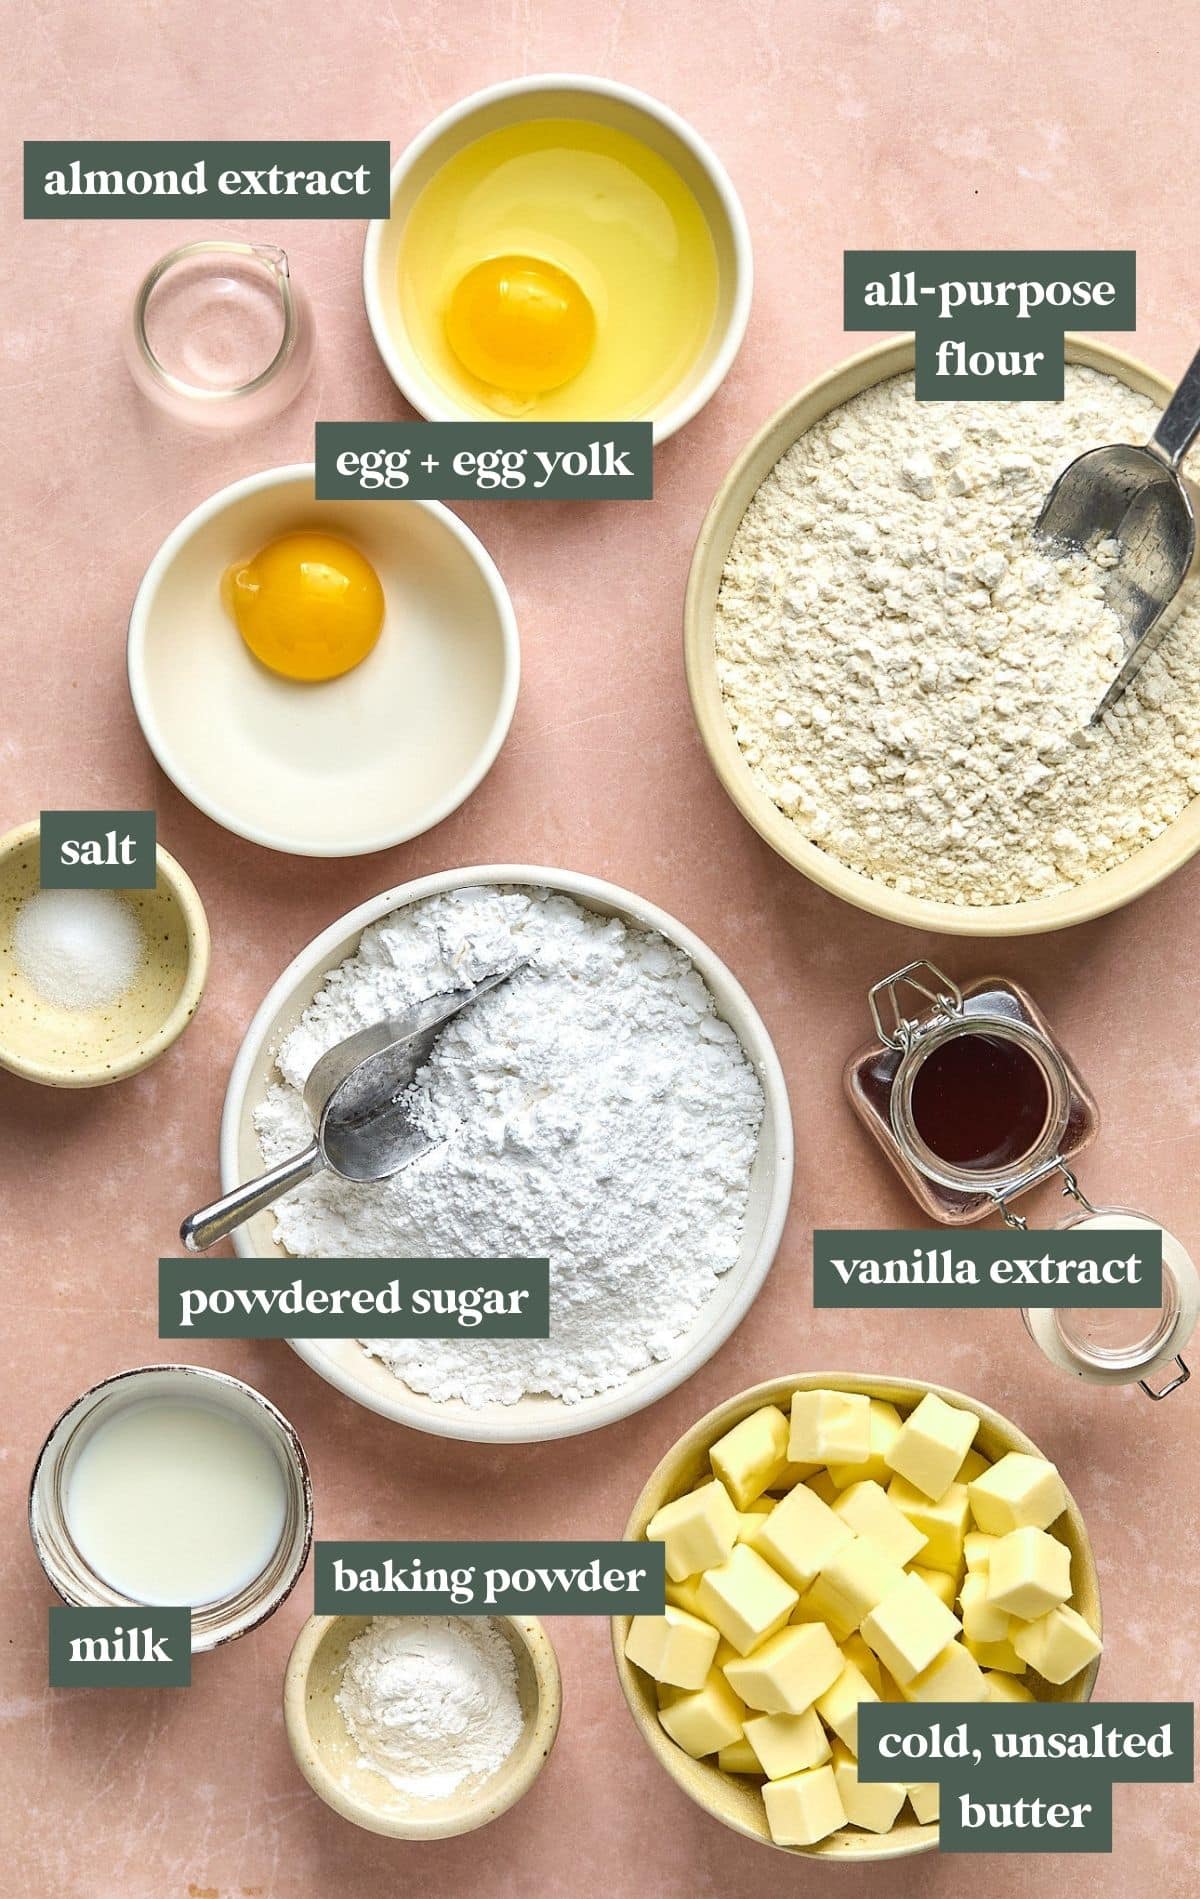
328, 1758
1094, 898
84, 1048
733, 1799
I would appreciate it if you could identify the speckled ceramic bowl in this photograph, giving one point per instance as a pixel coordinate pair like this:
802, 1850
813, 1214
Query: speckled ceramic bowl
328, 1758
85, 1048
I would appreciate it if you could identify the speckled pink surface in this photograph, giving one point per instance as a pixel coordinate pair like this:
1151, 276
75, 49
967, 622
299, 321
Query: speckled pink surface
863, 125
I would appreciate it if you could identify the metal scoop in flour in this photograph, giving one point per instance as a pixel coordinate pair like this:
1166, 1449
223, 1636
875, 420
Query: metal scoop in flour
1138, 497
356, 1096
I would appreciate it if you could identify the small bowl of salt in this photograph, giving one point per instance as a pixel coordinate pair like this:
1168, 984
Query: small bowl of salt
94, 984
422, 1726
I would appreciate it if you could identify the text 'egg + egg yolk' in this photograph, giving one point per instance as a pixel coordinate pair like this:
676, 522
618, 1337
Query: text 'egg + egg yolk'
520, 325
309, 606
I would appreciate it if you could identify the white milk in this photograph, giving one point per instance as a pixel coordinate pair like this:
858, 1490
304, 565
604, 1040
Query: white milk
176, 1502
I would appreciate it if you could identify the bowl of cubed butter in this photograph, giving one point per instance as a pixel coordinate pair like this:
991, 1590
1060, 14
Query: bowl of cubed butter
832, 1540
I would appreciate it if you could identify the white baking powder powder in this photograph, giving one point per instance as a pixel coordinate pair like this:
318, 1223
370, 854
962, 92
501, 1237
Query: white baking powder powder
909, 678
431, 1701
595, 1110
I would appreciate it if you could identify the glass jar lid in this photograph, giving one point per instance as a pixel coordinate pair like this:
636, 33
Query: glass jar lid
1106, 1345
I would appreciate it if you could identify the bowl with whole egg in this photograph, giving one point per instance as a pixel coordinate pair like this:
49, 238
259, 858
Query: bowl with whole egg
789, 769
559, 248
867, 1587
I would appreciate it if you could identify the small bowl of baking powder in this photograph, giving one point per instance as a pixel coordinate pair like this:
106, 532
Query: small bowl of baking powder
425, 1726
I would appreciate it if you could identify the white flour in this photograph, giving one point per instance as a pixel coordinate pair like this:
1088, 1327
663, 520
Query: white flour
595, 1110
431, 1701
908, 679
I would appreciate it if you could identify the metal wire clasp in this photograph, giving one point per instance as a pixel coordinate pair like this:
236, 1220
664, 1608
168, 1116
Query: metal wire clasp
926, 980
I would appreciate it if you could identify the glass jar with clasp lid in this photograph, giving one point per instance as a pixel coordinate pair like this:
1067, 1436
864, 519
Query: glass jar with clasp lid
974, 1101
968, 1092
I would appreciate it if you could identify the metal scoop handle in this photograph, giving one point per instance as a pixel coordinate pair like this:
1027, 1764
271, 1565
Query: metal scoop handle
1179, 423
216, 1222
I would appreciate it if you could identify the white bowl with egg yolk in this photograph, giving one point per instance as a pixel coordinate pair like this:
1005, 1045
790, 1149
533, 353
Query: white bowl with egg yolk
337, 767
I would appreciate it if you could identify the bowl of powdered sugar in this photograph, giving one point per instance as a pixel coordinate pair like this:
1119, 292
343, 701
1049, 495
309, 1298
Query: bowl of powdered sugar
616, 1107
422, 1726
895, 683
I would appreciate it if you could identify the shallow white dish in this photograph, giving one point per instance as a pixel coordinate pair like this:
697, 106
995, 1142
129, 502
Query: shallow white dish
562, 96
349, 765
342, 1361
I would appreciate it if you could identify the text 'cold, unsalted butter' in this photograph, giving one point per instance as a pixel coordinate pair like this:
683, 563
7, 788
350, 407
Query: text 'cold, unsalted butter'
354, 1298
130, 1647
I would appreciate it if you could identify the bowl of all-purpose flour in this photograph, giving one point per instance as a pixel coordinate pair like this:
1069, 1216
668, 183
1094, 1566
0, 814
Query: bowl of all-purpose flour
894, 683
617, 1107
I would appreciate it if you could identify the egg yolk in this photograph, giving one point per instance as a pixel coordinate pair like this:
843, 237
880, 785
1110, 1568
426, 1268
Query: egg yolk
308, 605
520, 325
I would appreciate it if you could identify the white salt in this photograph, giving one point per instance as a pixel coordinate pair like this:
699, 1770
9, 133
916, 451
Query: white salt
79, 949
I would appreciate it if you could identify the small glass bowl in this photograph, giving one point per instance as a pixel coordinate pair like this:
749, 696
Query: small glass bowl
220, 336
73, 1577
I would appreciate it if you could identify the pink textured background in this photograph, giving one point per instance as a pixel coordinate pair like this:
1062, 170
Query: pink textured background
883, 125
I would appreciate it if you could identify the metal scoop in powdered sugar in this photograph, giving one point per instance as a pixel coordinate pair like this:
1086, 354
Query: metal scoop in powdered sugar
357, 1095
1137, 498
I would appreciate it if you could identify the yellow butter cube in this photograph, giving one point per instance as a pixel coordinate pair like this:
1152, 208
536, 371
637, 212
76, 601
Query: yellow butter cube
708, 1718
910, 1627
868, 1509
852, 1583
752, 1521
746, 1599
930, 1446
943, 1524
821, 1605
787, 1743
696, 1531
1018, 1492
954, 1675
996, 1655
751, 1457
1005, 1687
791, 1475
871, 1804
977, 1548
883, 1426
830, 1427
982, 1621
804, 1808
739, 1758
822, 1485
973, 1465
801, 1535
787, 1672
1058, 1644
942, 1583
675, 1647
838, 1707
1029, 1573
855, 1650
925, 1799
685, 1594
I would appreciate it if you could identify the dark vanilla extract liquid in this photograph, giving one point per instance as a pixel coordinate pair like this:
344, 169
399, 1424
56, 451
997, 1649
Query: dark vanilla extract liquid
980, 1101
